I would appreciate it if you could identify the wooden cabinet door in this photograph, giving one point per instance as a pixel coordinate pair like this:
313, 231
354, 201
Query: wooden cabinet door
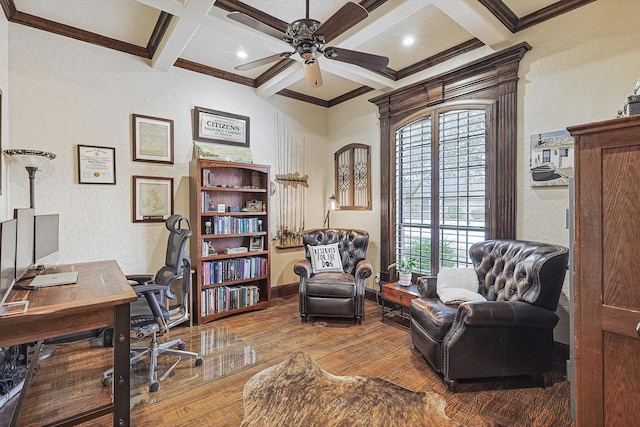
607, 290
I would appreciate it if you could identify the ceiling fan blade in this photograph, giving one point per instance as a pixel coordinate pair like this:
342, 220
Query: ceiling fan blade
312, 73
364, 60
348, 16
256, 25
264, 61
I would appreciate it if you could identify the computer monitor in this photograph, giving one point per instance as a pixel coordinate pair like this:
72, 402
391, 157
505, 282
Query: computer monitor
8, 235
46, 235
25, 240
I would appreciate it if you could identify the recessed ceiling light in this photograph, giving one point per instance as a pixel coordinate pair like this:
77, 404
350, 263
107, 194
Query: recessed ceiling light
241, 54
408, 40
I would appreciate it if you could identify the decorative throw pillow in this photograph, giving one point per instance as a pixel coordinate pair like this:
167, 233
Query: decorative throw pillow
325, 258
461, 278
458, 295
457, 285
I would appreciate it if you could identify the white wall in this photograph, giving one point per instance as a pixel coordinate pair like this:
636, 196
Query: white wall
582, 67
356, 122
580, 70
66, 92
4, 118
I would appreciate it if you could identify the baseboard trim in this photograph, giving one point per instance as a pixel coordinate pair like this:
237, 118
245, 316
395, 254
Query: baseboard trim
285, 290
561, 353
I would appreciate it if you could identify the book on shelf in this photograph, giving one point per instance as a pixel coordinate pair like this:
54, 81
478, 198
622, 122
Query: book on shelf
230, 270
233, 225
238, 250
225, 298
207, 248
207, 178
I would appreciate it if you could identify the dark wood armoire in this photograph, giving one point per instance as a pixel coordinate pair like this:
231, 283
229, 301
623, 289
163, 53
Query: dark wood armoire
607, 272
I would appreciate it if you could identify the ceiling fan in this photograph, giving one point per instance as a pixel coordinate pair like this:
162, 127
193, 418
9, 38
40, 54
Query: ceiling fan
307, 37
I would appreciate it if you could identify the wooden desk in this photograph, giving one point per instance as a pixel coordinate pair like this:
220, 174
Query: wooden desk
100, 298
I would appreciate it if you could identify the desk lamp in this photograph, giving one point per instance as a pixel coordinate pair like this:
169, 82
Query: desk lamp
331, 206
32, 160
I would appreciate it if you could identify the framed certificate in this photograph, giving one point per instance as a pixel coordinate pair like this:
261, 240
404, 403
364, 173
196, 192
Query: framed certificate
96, 165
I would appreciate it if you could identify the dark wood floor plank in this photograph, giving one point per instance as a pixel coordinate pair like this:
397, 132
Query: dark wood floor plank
372, 349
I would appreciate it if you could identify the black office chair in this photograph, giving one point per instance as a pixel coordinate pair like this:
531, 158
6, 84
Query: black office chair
150, 314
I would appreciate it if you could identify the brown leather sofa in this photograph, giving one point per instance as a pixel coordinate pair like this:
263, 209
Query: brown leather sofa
509, 334
338, 293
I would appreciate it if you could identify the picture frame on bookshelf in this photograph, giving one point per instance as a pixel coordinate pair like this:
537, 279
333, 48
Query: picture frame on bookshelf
253, 205
220, 127
256, 244
152, 198
152, 139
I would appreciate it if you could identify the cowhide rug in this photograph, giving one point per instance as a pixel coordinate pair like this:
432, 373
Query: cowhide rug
297, 392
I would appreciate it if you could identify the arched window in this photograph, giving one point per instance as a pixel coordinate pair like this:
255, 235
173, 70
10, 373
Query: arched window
490, 82
441, 186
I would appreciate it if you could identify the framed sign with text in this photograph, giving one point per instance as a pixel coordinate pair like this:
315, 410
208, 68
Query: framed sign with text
220, 127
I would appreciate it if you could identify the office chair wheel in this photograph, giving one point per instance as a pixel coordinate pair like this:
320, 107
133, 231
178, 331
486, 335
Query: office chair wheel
199, 361
154, 386
182, 346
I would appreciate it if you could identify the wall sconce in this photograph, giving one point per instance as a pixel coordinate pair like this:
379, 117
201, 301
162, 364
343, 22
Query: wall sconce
332, 205
32, 160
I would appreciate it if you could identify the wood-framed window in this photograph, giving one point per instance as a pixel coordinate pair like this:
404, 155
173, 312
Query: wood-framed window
441, 185
353, 177
491, 81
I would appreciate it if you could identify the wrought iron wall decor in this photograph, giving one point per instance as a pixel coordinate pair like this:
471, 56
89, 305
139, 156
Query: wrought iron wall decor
353, 177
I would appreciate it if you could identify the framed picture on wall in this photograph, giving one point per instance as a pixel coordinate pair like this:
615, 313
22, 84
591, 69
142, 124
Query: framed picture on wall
96, 165
152, 198
152, 139
220, 127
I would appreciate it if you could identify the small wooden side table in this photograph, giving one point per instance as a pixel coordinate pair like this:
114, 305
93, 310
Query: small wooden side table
399, 295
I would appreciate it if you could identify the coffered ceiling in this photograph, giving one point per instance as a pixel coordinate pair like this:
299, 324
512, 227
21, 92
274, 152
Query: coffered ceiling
198, 35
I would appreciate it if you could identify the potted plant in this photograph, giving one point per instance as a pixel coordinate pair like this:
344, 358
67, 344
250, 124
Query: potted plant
405, 269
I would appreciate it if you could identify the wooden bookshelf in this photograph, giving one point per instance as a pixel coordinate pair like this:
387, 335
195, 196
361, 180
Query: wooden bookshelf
229, 209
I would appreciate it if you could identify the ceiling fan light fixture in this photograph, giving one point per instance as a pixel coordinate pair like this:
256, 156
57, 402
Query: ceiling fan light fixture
302, 30
307, 37
307, 51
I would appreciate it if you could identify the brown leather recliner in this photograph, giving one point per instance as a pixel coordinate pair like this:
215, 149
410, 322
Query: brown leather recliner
509, 334
340, 293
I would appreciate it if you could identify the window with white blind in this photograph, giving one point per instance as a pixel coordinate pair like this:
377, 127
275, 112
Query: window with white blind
489, 85
441, 187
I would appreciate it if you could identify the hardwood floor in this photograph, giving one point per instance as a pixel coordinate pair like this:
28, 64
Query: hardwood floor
374, 348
